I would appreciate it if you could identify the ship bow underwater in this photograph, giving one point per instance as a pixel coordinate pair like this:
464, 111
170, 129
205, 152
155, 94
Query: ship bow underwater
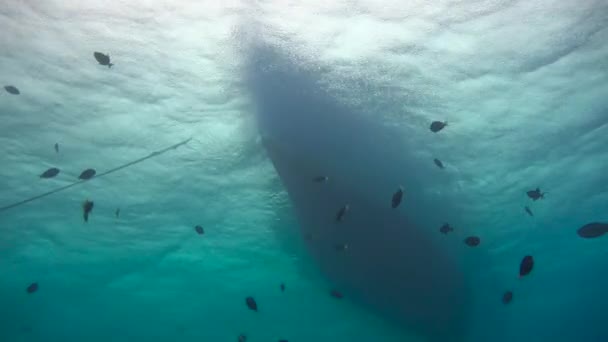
340, 170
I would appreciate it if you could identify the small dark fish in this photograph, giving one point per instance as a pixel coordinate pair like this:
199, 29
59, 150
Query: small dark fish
117, 213
103, 59
336, 294
251, 304
12, 90
528, 211
472, 241
282, 287
341, 213
32, 288
283, 341
341, 247
445, 229
536, 194
56, 147
199, 230
592, 230
308, 236
397, 197
438, 163
87, 174
437, 126
50, 173
87, 206
507, 297
526, 265
320, 179
242, 338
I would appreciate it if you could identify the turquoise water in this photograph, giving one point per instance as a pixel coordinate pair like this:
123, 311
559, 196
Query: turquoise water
265, 96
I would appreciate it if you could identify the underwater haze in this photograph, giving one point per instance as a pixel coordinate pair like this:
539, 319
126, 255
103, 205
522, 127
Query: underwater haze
359, 170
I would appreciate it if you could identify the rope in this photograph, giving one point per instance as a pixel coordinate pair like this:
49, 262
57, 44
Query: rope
137, 161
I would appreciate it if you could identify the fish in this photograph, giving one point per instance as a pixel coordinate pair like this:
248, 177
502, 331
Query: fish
199, 230
32, 288
397, 197
472, 241
528, 211
282, 287
445, 229
87, 206
536, 194
438, 163
592, 230
526, 266
336, 294
103, 59
117, 212
12, 90
87, 174
340, 247
320, 179
242, 338
437, 126
251, 304
50, 173
342, 212
283, 341
507, 297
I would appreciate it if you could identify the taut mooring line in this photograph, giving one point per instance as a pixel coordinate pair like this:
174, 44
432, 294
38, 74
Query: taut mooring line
137, 161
